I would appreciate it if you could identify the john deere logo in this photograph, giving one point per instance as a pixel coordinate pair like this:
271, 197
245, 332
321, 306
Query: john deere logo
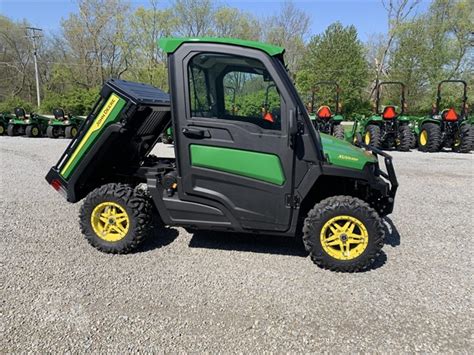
347, 157
109, 106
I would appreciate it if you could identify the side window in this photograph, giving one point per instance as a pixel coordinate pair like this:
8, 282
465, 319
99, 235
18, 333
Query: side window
235, 88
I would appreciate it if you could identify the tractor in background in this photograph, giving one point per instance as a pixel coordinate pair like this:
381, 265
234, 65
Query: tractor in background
32, 125
389, 126
446, 128
63, 125
323, 118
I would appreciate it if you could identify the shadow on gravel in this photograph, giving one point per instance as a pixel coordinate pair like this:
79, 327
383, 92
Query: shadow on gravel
249, 243
392, 237
165, 237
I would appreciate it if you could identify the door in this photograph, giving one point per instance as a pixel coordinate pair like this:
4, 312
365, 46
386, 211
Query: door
233, 147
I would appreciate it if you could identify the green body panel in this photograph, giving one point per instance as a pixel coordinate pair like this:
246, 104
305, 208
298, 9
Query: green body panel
92, 134
16, 121
170, 44
403, 118
72, 121
338, 118
312, 117
344, 154
255, 165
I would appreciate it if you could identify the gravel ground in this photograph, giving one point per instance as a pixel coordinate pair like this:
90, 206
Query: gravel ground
230, 293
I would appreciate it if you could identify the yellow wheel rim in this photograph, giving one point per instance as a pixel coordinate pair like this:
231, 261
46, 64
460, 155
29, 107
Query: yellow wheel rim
73, 132
35, 131
423, 137
2, 129
457, 141
344, 237
110, 221
367, 138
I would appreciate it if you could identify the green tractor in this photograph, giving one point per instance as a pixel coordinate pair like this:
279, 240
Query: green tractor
388, 127
32, 125
447, 128
63, 125
323, 118
243, 170
5, 118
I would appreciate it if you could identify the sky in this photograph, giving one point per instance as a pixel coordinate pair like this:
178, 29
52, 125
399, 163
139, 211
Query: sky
368, 16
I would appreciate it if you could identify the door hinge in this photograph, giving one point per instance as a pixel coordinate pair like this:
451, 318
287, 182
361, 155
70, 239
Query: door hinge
292, 201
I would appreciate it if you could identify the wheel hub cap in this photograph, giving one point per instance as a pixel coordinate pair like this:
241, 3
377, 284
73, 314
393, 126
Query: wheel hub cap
344, 237
423, 137
110, 221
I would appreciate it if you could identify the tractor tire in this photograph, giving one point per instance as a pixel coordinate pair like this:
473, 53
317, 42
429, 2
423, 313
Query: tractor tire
343, 233
2, 129
338, 131
372, 136
115, 218
414, 141
466, 137
11, 130
32, 131
429, 139
52, 132
404, 139
70, 132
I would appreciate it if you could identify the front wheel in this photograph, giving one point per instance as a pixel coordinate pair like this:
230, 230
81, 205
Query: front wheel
52, 132
2, 129
70, 132
32, 131
338, 131
115, 218
343, 233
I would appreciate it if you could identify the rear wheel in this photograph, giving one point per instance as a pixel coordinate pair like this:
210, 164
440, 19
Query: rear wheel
429, 139
32, 131
372, 136
404, 139
52, 132
343, 233
70, 132
338, 131
115, 218
2, 129
465, 141
12, 130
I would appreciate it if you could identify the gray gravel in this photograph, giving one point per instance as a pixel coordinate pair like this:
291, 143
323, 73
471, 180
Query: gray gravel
227, 293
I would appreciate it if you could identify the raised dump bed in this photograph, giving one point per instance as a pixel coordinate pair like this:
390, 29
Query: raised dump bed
114, 140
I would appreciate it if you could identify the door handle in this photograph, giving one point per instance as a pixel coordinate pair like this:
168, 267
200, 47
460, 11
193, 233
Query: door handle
196, 133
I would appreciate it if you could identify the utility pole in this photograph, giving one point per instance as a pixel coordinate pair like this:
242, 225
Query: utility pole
34, 34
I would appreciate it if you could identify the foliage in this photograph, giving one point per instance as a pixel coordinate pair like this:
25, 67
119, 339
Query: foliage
9, 104
113, 39
336, 55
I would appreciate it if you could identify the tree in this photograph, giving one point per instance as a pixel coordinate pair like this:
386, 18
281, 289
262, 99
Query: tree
336, 55
195, 17
288, 29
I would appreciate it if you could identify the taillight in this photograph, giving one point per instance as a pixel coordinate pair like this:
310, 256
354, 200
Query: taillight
451, 115
56, 184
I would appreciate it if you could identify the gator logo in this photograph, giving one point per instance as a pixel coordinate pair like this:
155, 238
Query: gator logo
347, 157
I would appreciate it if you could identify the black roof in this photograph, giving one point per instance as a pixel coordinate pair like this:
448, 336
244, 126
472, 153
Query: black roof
140, 93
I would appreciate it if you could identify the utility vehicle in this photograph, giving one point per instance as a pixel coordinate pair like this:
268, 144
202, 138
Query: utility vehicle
389, 126
63, 125
446, 127
32, 125
323, 118
240, 170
